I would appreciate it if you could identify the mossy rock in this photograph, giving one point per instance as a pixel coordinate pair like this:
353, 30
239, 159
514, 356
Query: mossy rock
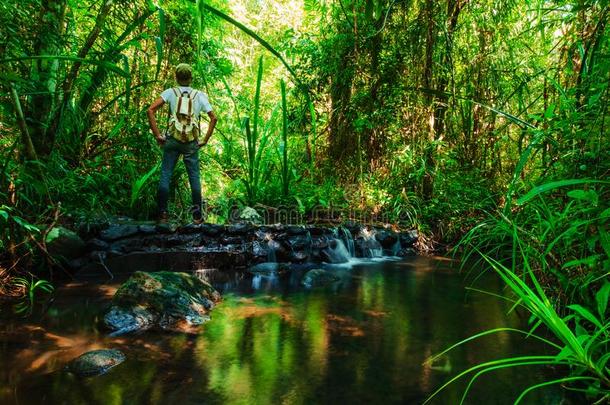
318, 278
96, 362
167, 300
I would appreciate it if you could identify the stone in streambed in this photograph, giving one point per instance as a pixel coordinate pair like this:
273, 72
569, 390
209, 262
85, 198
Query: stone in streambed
168, 301
96, 362
318, 278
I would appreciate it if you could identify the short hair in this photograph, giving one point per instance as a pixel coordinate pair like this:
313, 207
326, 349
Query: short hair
184, 74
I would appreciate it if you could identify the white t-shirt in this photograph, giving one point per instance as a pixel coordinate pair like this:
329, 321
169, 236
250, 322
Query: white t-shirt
200, 102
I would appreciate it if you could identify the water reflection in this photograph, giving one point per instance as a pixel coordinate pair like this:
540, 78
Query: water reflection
362, 340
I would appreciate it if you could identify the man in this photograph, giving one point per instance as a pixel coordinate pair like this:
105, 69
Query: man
182, 137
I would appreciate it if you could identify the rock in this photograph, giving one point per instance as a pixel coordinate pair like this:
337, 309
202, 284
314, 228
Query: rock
118, 231
386, 238
126, 320
147, 229
166, 300
97, 244
96, 362
318, 278
294, 230
239, 229
211, 229
64, 243
408, 238
406, 252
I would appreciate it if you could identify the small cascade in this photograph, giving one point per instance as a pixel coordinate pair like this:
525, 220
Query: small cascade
346, 235
371, 246
396, 247
264, 281
272, 246
338, 253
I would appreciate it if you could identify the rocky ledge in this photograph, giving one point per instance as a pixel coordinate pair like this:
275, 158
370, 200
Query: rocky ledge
127, 246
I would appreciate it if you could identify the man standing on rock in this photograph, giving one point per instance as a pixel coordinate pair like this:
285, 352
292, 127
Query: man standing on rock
181, 137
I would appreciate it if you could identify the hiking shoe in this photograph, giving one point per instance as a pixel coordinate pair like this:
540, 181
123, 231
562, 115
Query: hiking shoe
163, 218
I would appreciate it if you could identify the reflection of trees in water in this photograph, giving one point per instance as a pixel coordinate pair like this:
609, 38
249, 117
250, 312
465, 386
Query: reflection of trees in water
363, 341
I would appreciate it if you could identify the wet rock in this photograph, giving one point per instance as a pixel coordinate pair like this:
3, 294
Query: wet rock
386, 238
96, 362
127, 245
231, 240
294, 230
318, 278
408, 238
239, 229
301, 242
260, 249
299, 256
147, 229
190, 228
97, 244
118, 231
406, 252
126, 320
64, 243
211, 229
166, 300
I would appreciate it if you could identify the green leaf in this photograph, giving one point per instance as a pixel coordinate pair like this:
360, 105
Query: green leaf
586, 314
589, 261
584, 195
602, 297
553, 185
138, 184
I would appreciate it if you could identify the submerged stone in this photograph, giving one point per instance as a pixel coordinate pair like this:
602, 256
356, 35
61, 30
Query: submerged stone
167, 300
96, 362
318, 278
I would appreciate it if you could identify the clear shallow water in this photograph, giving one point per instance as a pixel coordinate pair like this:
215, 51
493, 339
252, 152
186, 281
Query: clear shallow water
361, 340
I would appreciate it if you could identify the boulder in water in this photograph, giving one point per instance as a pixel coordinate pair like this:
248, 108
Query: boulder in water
318, 278
166, 300
96, 362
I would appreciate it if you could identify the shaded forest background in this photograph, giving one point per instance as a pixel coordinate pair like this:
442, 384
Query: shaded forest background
427, 114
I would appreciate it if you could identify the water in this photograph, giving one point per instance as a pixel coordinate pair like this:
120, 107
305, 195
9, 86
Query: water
362, 339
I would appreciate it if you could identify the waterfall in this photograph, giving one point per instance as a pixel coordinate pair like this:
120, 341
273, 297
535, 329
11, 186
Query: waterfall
272, 246
396, 247
339, 253
371, 246
346, 235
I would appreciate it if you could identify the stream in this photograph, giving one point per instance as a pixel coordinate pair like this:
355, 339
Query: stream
362, 339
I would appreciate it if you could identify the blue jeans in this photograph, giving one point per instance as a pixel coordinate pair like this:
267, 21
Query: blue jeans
172, 149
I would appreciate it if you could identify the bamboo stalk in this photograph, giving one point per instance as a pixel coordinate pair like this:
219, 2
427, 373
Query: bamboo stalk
30, 152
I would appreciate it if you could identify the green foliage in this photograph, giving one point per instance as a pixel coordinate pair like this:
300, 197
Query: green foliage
32, 290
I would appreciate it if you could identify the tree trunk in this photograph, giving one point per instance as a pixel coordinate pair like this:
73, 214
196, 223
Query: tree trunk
45, 74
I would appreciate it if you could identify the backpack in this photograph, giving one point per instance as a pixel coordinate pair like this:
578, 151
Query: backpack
183, 124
